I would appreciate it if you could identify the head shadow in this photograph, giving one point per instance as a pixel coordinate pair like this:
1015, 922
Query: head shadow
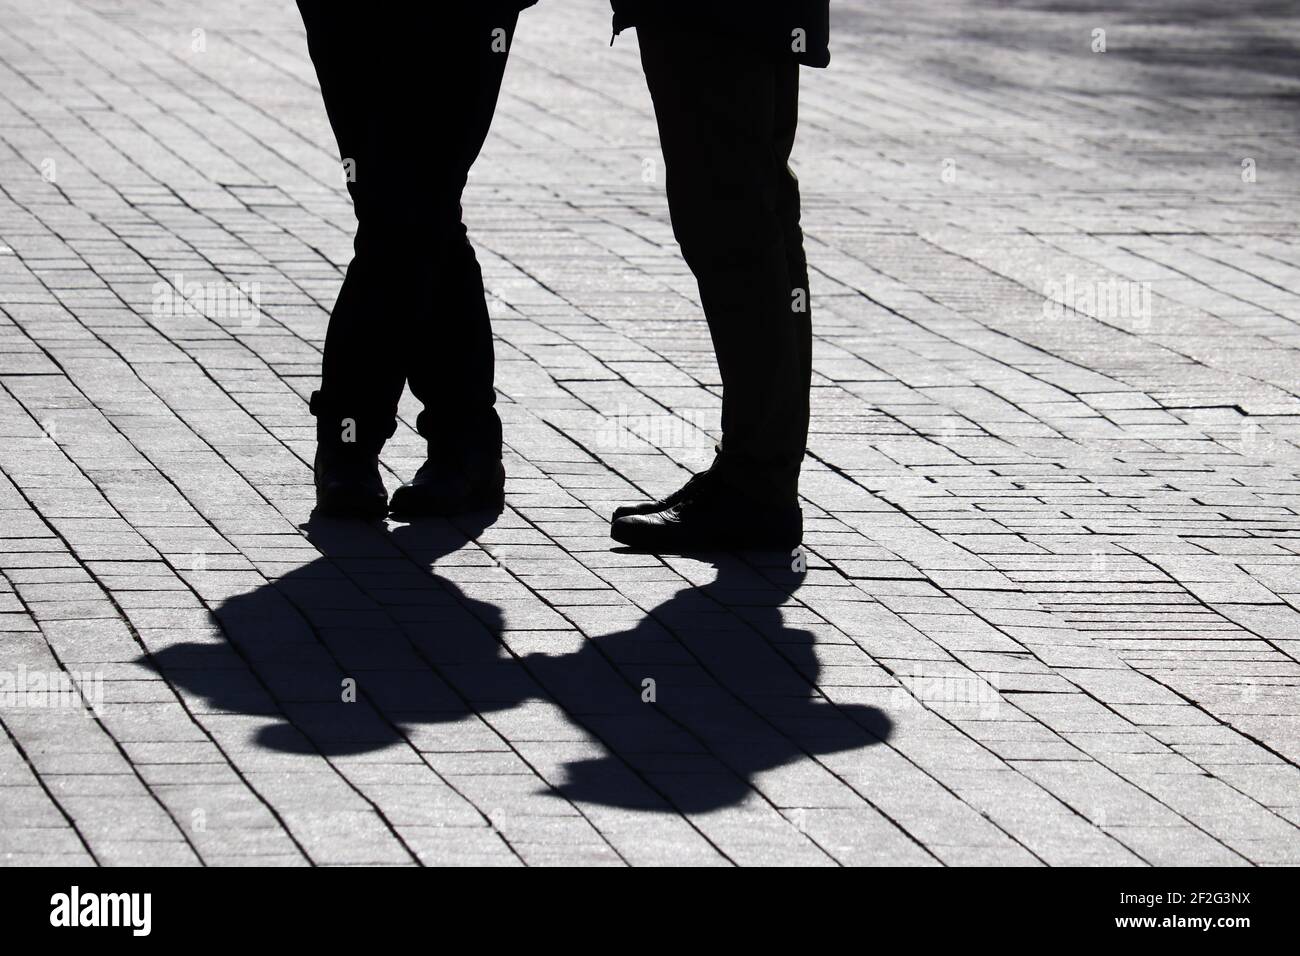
371, 645
733, 688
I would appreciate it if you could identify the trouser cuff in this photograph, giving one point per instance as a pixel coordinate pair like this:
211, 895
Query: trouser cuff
340, 425
765, 482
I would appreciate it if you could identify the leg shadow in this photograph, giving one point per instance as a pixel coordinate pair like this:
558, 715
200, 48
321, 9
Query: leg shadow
687, 706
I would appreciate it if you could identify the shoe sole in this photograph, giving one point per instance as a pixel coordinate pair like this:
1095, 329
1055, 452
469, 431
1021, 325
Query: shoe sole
351, 509
669, 544
401, 512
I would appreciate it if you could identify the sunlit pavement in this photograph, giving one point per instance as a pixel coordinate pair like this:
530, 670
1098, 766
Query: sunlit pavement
1046, 608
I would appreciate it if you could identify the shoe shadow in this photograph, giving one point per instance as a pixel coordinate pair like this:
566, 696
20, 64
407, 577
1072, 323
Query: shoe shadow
683, 708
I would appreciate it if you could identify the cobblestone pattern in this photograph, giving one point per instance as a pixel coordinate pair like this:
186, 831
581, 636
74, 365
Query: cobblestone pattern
1049, 614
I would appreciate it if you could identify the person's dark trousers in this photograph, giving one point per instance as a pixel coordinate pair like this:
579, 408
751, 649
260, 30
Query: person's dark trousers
410, 90
727, 118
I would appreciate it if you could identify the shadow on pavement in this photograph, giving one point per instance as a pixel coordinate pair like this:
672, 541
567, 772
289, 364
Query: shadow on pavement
731, 681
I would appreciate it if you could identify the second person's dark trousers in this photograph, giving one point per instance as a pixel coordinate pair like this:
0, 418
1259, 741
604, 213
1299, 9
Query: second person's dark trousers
410, 90
727, 118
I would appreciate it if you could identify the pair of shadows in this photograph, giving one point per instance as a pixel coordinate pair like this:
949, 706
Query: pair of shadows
732, 683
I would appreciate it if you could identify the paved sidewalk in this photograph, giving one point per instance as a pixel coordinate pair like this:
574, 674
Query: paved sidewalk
1049, 613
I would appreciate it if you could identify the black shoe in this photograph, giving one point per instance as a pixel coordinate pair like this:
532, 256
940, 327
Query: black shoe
348, 486
439, 491
695, 486
711, 521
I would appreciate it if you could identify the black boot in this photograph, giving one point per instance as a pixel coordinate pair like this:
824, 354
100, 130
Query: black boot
441, 490
349, 487
711, 518
346, 468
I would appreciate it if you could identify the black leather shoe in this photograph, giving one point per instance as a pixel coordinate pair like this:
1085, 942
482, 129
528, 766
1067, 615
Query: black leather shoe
349, 486
694, 486
711, 522
439, 491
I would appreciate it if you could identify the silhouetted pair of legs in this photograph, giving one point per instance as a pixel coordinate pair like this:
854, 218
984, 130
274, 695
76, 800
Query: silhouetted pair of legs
410, 90
727, 116
411, 96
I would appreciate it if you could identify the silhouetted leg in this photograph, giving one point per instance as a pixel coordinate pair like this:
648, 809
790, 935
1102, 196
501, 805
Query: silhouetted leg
410, 93
789, 210
450, 358
357, 382
726, 124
